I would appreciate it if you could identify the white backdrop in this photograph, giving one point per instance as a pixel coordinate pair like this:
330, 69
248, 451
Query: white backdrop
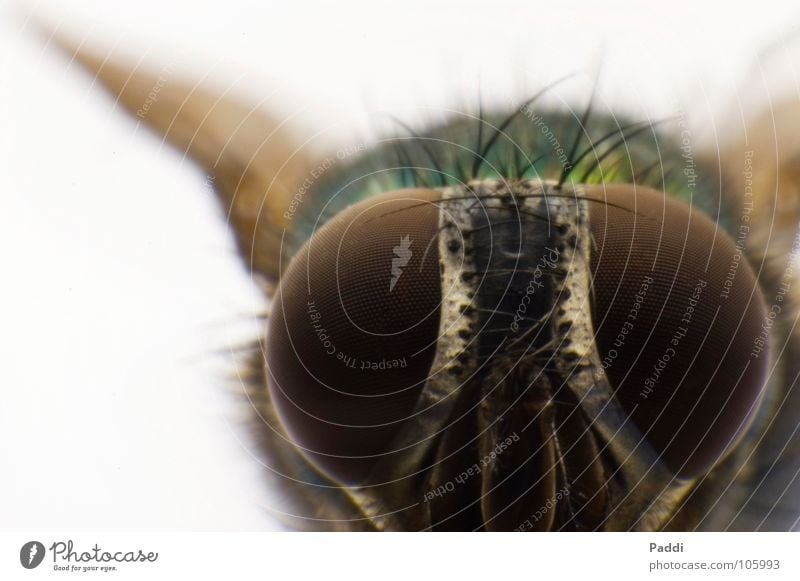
121, 291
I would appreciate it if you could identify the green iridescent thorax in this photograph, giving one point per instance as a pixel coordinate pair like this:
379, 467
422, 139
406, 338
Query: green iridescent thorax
533, 145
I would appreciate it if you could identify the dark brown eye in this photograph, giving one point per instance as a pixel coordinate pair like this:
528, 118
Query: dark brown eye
678, 315
353, 330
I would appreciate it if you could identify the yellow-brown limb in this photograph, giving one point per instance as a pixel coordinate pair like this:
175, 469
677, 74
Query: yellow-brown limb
255, 163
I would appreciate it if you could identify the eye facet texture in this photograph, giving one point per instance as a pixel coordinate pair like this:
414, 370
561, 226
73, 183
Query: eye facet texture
353, 329
677, 311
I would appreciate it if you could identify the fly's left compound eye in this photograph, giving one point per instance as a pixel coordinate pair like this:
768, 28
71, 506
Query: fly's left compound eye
678, 314
353, 330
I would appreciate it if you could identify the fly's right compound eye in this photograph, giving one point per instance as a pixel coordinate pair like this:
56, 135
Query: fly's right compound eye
678, 315
353, 331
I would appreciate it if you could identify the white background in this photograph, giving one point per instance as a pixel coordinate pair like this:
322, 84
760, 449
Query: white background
121, 295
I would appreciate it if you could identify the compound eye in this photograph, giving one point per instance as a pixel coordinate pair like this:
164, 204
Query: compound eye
678, 316
353, 329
